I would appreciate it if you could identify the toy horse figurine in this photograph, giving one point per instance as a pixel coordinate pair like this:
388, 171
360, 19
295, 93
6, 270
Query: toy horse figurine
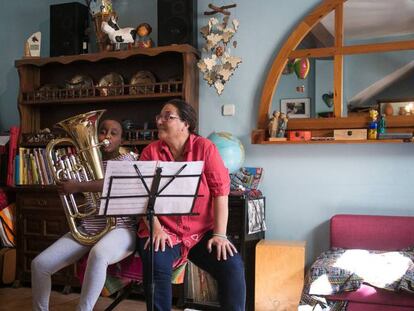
116, 34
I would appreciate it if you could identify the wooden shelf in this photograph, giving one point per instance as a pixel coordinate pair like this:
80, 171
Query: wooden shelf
102, 56
88, 95
326, 126
311, 142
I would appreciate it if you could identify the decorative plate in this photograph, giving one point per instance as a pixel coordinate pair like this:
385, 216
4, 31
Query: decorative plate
111, 84
82, 84
48, 91
80, 81
142, 77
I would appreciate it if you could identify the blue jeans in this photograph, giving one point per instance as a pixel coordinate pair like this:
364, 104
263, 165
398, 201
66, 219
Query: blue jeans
229, 274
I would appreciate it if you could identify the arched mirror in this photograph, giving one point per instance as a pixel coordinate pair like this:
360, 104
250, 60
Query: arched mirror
359, 54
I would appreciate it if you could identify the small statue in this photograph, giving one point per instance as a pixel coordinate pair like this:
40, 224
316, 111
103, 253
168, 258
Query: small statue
283, 121
273, 125
373, 125
116, 34
381, 124
142, 39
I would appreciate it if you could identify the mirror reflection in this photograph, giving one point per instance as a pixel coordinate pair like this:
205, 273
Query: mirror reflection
365, 83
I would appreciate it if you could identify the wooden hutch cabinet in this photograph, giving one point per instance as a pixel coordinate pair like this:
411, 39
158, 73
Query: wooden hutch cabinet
53, 89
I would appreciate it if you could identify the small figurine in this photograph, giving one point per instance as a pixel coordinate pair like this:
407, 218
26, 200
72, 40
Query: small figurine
381, 124
283, 121
142, 39
273, 125
117, 34
373, 125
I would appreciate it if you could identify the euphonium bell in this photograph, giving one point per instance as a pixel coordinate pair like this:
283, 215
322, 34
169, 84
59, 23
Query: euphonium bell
85, 166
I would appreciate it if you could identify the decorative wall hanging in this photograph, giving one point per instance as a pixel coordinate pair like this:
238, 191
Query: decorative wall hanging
328, 99
219, 65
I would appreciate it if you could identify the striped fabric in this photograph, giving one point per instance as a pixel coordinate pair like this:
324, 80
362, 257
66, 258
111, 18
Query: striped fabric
340, 270
7, 226
94, 224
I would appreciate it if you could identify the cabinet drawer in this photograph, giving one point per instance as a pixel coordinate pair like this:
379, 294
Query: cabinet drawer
37, 200
44, 225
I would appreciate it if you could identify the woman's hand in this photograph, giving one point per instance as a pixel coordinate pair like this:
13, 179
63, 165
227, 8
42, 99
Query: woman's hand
160, 238
223, 247
68, 186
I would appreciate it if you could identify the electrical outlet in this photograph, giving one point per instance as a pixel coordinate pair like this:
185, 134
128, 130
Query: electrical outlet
229, 110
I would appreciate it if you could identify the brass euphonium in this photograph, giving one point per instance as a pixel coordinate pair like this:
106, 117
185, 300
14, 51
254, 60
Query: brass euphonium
85, 166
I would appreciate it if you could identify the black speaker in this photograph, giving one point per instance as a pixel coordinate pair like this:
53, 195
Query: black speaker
68, 23
177, 22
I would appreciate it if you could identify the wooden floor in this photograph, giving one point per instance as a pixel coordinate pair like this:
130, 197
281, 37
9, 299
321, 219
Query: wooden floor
17, 299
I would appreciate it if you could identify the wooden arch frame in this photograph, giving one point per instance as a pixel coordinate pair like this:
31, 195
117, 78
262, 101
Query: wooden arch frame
337, 51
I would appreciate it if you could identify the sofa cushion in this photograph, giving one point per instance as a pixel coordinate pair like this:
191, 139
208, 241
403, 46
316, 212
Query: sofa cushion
341, 270
369, 294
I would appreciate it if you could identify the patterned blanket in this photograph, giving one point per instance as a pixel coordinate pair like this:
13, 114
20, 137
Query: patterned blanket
340, 270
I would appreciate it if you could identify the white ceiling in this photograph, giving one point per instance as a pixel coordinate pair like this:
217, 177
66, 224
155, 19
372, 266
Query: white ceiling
375, 18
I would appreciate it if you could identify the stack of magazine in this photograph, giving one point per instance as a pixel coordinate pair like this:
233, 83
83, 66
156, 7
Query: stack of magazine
201, 287
246, 178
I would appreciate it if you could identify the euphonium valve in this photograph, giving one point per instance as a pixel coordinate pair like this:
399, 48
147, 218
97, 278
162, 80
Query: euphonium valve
86, 165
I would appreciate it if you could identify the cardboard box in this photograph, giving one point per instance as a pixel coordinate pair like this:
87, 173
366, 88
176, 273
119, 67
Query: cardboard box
299, 135
351, 134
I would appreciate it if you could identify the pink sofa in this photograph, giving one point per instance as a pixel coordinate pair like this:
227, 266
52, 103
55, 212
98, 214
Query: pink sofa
387, 233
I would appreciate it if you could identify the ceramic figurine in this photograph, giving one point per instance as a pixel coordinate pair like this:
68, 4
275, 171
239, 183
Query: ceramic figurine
283, 121
373, 125
116, 34
381, 125
273, 125
143, 39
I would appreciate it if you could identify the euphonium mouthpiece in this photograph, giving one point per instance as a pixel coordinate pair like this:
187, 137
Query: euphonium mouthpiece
105, 143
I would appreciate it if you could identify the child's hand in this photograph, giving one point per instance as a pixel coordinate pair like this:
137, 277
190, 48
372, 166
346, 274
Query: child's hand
67, 187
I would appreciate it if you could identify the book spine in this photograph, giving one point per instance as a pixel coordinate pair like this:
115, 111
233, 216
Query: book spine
14, 136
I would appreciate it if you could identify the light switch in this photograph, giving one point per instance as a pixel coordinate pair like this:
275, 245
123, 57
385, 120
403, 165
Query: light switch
229, 110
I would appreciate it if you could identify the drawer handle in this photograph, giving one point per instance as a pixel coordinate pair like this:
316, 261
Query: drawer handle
42, 202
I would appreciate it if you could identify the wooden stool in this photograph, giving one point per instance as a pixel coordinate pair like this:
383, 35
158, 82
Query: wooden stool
279, 275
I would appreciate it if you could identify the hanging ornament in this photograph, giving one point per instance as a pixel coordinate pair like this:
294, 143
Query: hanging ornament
218, 64
328, 99
301, 66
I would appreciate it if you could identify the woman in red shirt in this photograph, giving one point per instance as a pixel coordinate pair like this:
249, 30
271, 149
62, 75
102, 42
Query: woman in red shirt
202, 238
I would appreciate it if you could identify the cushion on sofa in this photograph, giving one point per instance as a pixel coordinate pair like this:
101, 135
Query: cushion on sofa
343, 274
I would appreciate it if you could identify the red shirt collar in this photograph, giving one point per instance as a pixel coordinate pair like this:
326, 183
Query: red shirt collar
187, 148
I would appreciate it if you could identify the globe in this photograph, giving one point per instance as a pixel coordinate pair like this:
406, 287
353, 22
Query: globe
230, 149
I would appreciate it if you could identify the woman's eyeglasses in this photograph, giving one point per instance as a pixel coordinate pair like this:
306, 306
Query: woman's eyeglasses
165, 117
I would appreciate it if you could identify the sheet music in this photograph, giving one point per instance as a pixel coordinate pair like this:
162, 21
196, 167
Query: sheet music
179, 186
126, 187
131, 185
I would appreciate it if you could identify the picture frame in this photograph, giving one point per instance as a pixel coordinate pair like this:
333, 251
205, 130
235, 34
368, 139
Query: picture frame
256, 216
295, 107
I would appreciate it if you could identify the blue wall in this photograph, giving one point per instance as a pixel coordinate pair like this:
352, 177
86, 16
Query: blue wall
304, 185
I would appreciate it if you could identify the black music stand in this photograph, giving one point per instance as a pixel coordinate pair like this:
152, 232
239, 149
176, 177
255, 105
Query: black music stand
152, 193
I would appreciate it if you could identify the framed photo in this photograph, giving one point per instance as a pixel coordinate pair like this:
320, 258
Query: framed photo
256, 215
295, 107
